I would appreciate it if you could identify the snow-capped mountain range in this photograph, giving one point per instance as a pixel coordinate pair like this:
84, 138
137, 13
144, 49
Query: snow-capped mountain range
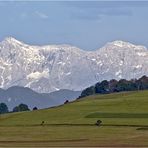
54, 67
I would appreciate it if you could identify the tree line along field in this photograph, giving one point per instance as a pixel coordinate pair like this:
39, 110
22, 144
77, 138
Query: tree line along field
124, 119
112, 86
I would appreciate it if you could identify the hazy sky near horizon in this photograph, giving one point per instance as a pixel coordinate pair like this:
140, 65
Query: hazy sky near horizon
87, 25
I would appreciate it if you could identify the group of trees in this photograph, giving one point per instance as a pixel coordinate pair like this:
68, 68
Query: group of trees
113, 85
3, 108
19, 108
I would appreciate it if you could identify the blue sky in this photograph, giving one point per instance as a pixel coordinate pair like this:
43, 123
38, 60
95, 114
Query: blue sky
88, 25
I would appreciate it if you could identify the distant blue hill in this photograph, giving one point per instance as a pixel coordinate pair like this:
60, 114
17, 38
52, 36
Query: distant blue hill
16, 95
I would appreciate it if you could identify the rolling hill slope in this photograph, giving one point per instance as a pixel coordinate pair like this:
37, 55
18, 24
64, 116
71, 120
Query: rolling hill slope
124, 123
82, 111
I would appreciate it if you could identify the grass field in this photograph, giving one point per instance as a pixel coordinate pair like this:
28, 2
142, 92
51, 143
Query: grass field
124, 123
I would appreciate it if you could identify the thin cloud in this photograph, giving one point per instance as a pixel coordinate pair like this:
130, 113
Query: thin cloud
98, 13
41, 15
116, 12
105, 4
96, 10
30, 15
23, 15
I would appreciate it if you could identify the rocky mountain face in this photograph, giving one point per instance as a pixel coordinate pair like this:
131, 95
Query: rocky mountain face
54, 67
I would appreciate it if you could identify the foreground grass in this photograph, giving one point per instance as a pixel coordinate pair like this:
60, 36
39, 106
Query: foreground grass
73, 124
117, 115
72, 136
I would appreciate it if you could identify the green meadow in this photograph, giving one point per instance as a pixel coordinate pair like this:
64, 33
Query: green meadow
124, 119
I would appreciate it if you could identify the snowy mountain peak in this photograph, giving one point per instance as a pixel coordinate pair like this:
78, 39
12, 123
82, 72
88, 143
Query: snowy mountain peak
12, 40
53, 67
121, 44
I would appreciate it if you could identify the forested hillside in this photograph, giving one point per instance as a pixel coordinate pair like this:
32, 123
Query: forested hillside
113, 85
